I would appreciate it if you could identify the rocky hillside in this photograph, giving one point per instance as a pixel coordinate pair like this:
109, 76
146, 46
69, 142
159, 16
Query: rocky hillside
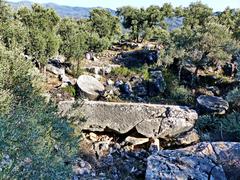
80, 99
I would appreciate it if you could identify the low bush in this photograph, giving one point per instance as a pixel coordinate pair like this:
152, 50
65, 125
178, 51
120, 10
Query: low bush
225, 128
70, 90
175, 91
128, 72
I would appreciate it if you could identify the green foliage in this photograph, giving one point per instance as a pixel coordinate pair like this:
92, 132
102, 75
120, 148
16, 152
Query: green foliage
41, 25
208, 44
98, 44
197, 14
182, 95
104, 24
233, 95
231, 19
135, 20
36, 140
129, 72
121, 71
5, 11
15, 74
175, 91
5, 101
227, 126
71, 90
96, 34
74, 40
13, 34
143, 23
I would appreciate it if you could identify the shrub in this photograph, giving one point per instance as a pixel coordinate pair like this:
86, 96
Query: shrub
175, 91
127, 72
35, 142
234, 95
121, 71
70, 90
98, 44
227, 127
182, 95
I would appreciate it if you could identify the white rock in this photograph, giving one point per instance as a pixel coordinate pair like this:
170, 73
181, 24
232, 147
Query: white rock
90, 86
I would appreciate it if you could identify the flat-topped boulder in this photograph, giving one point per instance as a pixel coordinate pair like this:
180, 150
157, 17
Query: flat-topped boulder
150, 120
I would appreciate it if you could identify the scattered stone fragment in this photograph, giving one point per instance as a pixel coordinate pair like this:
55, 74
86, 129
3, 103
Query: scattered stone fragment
93, 136
136, 141
187, 138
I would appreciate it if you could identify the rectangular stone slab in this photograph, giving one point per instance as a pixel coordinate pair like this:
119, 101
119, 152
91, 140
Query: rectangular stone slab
150, 120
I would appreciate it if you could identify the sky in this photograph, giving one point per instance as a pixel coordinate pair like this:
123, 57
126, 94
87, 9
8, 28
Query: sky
217, 5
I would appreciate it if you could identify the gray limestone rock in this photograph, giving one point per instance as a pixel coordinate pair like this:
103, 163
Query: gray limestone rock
150, 120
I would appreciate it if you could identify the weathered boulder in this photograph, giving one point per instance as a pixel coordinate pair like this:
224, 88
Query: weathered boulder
55, 70
90, 86
187, 72
66, 80
81, 167
150, 120
226, 154
212, 104
139, 86
57, 66
218, 160
230, 69
180, 165
157, 83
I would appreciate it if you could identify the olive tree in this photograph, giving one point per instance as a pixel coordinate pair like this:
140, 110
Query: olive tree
211, 43
41, 24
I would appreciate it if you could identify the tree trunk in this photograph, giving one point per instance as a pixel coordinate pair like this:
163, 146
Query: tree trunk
195, 77
78, 64
179, 73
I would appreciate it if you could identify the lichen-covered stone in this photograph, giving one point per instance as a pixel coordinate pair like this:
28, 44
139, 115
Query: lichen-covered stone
217, 160
150, 120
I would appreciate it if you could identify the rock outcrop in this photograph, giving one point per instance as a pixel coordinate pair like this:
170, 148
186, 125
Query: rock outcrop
150, 120
218, 160
90, 86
